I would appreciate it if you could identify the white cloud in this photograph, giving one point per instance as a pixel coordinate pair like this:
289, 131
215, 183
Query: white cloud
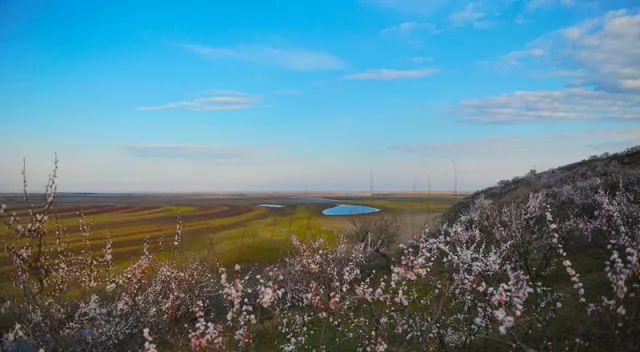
601, 56
608, 48
224, 92
515, 58
406, 28
292, 59
238, 101
422, 7
565, 104
547, 4
391, 74
470, 15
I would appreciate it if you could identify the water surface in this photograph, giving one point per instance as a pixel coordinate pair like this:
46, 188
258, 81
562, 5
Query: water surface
271, 205
349, 209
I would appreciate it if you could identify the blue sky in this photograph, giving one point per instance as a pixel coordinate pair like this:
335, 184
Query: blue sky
292, 95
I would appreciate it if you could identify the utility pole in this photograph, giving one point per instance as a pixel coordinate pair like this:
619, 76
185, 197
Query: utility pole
412, 206
414, 187
428, 194
455, 178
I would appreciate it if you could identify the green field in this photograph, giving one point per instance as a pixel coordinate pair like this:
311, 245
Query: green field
221, 228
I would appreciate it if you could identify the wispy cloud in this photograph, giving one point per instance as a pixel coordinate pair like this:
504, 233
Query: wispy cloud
421, 7
289, 58
516, 58
391, 74
224, 92
406, 28
514, 147
520, 19
546, 4
601, 56
230, 101
189, 151
421, 59
565, 104
470, 15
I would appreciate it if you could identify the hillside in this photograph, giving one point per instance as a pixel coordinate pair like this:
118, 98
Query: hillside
608, 170
529, 259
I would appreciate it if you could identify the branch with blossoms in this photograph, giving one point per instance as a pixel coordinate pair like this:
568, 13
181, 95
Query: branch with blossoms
498, 277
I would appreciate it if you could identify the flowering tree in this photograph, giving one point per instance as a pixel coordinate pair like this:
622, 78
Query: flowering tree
501, 276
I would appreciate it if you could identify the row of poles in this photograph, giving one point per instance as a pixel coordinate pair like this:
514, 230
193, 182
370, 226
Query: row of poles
455, 181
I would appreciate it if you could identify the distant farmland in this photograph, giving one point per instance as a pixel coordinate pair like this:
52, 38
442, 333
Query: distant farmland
220, 228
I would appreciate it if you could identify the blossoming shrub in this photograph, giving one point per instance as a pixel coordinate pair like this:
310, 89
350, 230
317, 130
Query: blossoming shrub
557, 271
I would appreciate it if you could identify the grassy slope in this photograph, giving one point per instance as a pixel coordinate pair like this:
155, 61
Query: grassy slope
589, 260
518, 188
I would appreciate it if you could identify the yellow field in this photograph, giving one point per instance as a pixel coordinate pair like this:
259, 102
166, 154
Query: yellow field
221, 229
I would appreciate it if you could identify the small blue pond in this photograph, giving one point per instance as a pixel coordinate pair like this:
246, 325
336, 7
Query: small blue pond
348, 209
271, 205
